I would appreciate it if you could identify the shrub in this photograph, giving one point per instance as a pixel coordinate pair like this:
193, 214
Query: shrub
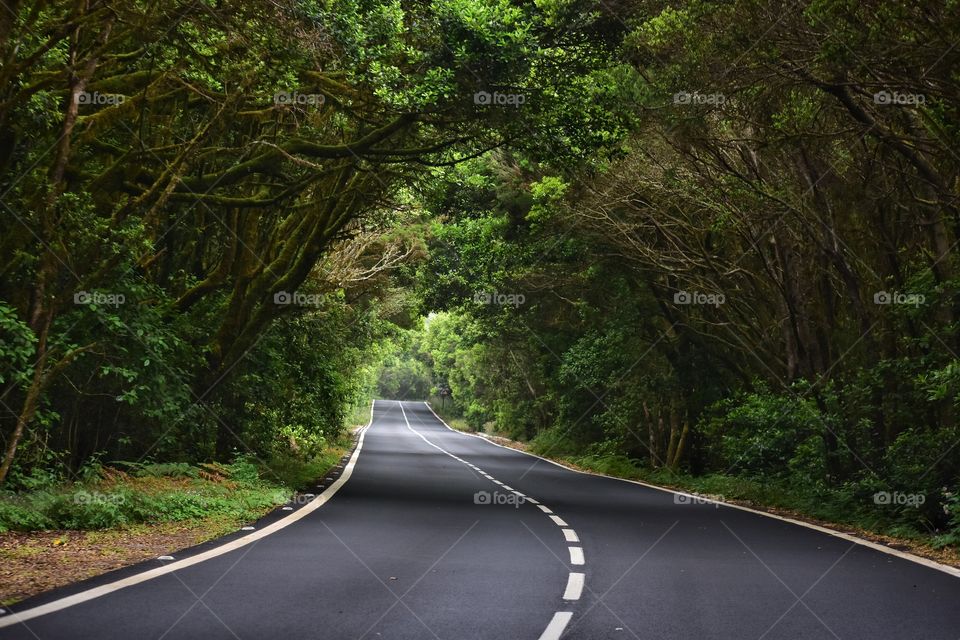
17, 516
763, 433
553, 442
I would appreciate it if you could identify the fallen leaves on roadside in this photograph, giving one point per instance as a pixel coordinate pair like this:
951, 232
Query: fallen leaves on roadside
33, 562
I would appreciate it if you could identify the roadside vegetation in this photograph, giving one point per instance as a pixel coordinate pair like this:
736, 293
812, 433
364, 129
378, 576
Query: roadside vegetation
118, 495
834, 509
61, 527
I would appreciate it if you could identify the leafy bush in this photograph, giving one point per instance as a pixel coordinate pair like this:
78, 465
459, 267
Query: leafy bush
553, 442
610, 464
17, 515
17, 346
476, 416
82, 510
244, 469
152, 493
951, 506
763, 433
37, 478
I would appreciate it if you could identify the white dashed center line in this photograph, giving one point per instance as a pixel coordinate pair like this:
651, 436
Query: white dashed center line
576, 555
575, 580
559, 521
555, 629
574, 587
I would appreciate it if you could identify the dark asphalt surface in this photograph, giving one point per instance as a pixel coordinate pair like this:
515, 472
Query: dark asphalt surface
404, 551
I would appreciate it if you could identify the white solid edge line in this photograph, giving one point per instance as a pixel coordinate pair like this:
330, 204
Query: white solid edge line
932, 564
574, 586
559, 521
576, 555
16, 617
557, 624
570, 535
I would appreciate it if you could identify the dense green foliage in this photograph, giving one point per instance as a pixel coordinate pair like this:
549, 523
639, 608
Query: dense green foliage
713, 241
760, 282
207, 207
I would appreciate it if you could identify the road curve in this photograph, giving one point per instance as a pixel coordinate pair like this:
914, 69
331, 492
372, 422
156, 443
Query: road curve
435, 534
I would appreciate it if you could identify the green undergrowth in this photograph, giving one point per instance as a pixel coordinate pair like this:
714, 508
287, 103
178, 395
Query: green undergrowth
123, 494
291, 472
850, 504
833, 505
359, 416
449, 414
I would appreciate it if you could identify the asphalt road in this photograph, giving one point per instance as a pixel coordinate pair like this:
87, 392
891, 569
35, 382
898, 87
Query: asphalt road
426, 537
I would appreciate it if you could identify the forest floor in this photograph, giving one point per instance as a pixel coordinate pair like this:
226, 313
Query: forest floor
32, 562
